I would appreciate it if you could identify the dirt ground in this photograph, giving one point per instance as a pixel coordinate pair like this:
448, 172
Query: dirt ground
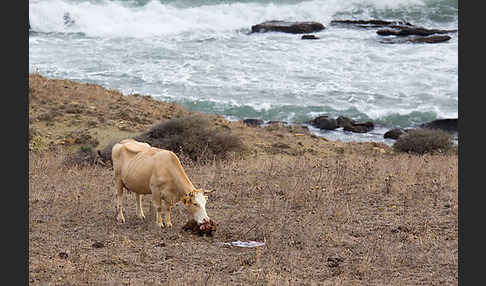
330, 213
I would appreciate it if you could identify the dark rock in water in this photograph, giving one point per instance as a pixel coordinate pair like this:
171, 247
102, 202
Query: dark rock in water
343, 121
449, 124
369, 23
324, 122
394, 133
361, 127
309, 37
68, 21
287, 27
253, 122
430, 40
401, 30
418, 39
353, 126
277, 122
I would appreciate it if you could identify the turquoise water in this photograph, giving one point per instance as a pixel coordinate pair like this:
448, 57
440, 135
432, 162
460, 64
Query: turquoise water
199, 54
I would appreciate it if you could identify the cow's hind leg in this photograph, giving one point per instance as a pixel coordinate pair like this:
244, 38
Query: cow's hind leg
119, 191
140, 213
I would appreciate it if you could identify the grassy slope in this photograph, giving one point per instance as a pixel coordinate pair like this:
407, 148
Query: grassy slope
330, 212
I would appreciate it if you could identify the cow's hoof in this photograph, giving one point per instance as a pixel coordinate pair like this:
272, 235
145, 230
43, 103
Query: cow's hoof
142, 216
161, 225
120, 219
168, 224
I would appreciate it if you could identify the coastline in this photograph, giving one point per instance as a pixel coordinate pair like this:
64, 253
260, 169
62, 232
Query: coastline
59, 109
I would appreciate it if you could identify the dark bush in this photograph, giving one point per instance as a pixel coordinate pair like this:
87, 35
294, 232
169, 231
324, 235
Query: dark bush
423, 140
193, 136
84, 156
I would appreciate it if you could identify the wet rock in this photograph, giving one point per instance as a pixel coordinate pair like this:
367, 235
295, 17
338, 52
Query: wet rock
350, 125
324, 122
418, 39
287, 27
401, 30
448, 124
68, 20
394, 133
369, 23
343, 121
360, 127
277, 122
309, 37
253, 122
430, 40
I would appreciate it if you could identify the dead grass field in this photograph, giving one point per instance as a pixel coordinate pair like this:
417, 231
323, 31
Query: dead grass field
330, 213
338, 220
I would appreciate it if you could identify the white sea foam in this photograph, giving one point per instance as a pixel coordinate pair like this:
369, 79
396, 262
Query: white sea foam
117, 19
200, 55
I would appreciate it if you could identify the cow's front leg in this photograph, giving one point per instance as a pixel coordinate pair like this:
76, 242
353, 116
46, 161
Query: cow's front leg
158, 206
168, 207
119, 191
140, 213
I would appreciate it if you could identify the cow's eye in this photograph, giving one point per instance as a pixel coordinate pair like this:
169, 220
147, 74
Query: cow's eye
195, 204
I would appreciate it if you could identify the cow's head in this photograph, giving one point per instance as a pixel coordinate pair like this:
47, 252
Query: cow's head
195, 202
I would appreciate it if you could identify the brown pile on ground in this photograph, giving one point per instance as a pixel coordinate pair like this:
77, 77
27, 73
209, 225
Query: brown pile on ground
206, 228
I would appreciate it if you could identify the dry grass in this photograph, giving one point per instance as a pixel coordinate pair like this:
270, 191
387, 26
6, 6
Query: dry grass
346, 219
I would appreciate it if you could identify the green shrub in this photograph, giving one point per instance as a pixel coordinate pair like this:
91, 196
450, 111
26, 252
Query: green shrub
193, 136
422, 140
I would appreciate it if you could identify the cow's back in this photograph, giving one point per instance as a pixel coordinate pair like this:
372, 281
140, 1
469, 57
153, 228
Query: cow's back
127, 154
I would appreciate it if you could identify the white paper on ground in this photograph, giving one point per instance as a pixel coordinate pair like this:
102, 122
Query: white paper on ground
244, 243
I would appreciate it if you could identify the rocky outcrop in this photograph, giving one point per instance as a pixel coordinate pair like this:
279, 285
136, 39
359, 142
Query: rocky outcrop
288, 27
394, 133
402, 30
327, 123
448, 124
350, 125
369, 23
417, 39
324, 122
253, 122
277, 122
360, 127
68, 20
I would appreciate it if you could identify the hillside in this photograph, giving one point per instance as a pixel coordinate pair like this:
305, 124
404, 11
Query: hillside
330, 213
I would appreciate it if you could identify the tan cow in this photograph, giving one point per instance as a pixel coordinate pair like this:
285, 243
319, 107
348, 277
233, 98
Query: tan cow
144, 169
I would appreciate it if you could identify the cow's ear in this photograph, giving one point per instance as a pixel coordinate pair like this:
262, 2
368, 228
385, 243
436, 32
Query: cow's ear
207, 191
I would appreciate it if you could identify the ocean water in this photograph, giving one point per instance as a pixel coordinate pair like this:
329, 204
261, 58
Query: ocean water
199, 53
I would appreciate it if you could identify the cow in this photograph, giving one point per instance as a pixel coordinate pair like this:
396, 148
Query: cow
143, 169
